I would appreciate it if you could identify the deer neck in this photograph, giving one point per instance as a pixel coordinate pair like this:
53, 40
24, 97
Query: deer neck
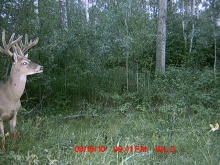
16, 83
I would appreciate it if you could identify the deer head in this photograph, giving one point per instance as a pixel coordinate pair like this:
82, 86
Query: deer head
13, 88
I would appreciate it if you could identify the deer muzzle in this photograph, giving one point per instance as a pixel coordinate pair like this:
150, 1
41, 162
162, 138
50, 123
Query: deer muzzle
40, 70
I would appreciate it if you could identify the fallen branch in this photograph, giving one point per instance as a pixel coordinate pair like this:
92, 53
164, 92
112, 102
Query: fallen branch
80, 114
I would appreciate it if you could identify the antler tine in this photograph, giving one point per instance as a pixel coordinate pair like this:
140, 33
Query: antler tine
17, 49
3, 36
6, 47
26, 39
11, 39
20, 45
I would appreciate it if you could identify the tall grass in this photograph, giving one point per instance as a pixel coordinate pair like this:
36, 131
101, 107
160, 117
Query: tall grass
51, 140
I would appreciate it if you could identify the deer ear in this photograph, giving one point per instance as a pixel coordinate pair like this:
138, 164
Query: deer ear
26, 55
15, 58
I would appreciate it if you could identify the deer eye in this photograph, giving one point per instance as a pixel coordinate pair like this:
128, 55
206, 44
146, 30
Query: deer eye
24, 63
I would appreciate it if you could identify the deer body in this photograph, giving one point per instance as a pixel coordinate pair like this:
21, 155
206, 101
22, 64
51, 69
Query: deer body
13, 88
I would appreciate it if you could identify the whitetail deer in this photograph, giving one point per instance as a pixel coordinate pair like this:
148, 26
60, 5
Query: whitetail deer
12, 89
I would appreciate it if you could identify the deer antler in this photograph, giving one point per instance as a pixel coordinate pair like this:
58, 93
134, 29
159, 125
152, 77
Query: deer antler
27, 45
6, 47
17, 45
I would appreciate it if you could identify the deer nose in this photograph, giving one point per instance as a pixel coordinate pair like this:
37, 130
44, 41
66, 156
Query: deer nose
41, 68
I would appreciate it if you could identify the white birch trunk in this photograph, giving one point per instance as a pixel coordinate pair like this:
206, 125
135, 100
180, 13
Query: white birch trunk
36, 12
193, 25
86, 6
63, 16
161, 36
148, 8
184, 25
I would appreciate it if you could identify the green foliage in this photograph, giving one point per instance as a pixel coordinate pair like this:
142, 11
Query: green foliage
184, 88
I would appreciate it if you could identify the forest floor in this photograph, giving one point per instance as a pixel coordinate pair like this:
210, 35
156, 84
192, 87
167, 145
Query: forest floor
112, 138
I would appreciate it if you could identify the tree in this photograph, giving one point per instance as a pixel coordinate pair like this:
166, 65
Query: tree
36, 11
161, 36
215, 17
63, 16
193, 25
86, 5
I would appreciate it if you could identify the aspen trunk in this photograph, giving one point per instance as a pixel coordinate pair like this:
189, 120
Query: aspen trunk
161, 37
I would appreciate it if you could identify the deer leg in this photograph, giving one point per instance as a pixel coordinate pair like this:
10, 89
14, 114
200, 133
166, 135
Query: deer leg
13, 133
2, 135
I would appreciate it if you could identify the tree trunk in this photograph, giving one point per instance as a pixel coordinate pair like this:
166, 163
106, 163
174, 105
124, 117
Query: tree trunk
63, 16
193, 25
86, 5
148, 7
161, 37
36, 12
184, 25
215, 17
64, 28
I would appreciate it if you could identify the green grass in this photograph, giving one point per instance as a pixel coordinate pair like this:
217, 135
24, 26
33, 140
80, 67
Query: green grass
50, 140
